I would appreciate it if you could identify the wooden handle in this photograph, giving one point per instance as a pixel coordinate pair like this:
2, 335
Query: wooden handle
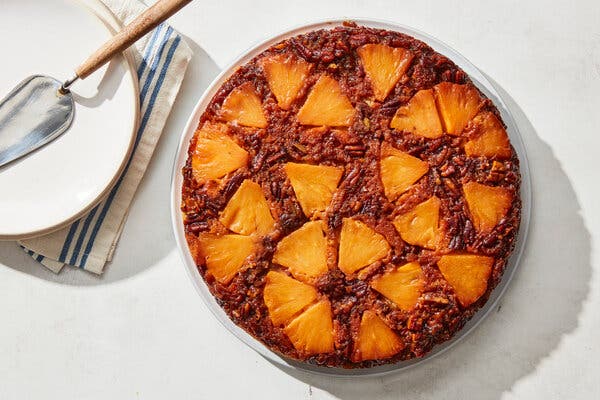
143, 24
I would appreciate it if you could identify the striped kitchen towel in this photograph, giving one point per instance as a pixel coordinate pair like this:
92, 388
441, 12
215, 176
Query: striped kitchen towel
161, 58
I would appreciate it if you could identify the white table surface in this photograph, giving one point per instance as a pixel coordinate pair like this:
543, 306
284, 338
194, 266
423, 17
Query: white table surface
141, 331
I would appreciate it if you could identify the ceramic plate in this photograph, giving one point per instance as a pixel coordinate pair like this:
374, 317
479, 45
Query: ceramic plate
478, 79
59, 182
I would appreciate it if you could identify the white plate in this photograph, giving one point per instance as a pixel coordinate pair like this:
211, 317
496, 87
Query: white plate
60, 182
177, 180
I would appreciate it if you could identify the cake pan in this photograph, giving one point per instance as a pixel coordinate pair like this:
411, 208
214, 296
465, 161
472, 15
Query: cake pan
477, 77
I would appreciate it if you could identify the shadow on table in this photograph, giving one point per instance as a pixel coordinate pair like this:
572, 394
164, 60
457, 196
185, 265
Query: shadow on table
541, 305
147, 236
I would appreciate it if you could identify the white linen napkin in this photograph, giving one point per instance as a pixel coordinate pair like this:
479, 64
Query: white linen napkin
162, 58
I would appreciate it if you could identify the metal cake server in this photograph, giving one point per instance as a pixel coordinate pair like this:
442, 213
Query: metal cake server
41, 108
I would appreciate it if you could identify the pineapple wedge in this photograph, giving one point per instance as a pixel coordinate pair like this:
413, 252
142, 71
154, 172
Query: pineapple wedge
487, 204
399, 171
419, 116
312, 331
248, 211
360, 246
403, 286
384, 66
326, 104
286, 297
286, 75
313, 185
225, 255
243, 106
420, 226
468, 274
215, 154
304, 251
492, 140
375, 339
457, 105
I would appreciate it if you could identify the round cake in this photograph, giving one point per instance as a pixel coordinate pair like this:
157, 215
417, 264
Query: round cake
350, 197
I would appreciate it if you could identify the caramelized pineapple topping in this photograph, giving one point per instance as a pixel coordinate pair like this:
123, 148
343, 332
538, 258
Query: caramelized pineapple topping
420, 226
248, 211
491, 139
309, 327
244, 107
285, 74
326, 104
312, 331
384, 66
286, 297
457, 105
304, 251
375, 339
468, 274
399, 171
216, 154
487, 204
313, 185
225, 255
419, 116
360, 246
402, 285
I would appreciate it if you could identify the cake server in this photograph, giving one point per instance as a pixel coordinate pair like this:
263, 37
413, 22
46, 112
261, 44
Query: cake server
41, 108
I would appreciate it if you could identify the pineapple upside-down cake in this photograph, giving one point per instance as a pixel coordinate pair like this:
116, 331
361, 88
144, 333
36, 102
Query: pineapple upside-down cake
350, 197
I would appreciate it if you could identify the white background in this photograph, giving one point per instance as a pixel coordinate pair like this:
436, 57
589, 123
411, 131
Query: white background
141, 331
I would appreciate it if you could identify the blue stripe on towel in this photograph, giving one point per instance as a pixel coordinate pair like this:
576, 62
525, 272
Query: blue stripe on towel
145, 118
148, 50
161, 78
65, 249
150, 77
84, 229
